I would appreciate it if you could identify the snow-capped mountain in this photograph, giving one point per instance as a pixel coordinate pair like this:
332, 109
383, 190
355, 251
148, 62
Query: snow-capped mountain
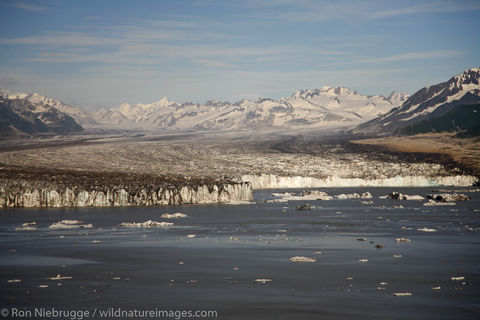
325, 107
427, 103
20, 116
42, 102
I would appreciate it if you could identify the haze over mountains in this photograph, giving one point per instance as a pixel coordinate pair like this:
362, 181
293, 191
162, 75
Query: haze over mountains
328, 107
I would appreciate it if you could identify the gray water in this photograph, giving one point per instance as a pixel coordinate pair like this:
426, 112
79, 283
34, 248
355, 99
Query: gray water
160, 268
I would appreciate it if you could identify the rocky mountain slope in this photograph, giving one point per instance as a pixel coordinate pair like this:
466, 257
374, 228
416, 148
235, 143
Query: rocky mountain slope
428, 103
326, 107
19, 117
39, 101
464, 119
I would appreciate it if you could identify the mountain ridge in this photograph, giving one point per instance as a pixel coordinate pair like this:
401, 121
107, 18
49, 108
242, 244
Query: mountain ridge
428, 103
305, 108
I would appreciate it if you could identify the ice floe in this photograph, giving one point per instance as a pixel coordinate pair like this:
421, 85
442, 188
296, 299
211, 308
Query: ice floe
173, 215
26, 228
59, 277
402, 294
302, 259
427, 229
432, 203
401, 196
70, 224
448, 197
146, 224
263, 280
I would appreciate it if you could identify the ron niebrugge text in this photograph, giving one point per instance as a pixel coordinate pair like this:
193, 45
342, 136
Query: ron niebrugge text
54, 313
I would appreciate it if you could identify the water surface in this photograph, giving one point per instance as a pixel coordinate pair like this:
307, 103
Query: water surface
236, 244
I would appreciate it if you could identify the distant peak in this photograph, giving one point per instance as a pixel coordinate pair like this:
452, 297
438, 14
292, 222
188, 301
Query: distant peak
474, 69
164, 100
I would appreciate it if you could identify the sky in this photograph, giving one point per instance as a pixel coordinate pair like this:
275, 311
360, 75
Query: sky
95, 54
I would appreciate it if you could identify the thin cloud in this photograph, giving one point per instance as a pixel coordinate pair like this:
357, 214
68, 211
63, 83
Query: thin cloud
26, 6
213, 64
352, 11
413, 56
432, 7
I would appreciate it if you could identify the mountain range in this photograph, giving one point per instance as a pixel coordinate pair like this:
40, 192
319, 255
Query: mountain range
325, 107
328, 107
428, 103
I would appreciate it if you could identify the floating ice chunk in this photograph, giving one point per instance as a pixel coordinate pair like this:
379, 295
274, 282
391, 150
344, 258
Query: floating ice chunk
14, 280
367, 202
402, 294
458, 278
146, 224
348, 196
401, 196
285, 194
29, 224
318, 252
276, 201
70, 224
427, 230
304, 195
173, 215
402, 240
263, 280
398, 256
436, 288
415, 197
59, 277
363, 260
96, 241
43, 286
366, 195
431, 203
448, 197
27, 228
191, 236
302, 259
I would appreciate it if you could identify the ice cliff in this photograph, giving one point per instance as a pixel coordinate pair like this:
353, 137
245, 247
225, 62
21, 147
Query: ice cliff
270, 181
222, 192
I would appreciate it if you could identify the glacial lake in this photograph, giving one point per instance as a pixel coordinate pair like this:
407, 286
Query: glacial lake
210, 259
